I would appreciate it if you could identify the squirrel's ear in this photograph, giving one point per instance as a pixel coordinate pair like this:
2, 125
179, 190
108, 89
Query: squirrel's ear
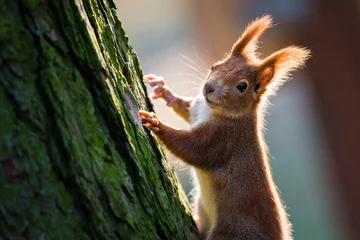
247, 43
274, 70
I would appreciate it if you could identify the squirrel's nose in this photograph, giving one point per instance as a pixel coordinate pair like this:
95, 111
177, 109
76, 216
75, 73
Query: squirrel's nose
208, 88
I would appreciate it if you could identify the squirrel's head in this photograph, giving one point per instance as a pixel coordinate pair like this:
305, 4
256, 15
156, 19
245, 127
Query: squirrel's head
236, 85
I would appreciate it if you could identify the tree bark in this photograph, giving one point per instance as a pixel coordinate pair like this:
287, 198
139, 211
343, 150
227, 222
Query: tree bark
75, 161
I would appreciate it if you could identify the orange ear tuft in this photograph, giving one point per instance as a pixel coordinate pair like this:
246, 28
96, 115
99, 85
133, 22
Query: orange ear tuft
275, 69
247, 43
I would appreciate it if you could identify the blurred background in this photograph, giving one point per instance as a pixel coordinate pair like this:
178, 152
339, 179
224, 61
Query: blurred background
311, 133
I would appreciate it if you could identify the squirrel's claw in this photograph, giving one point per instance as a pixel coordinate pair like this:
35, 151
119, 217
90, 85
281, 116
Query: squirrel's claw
149, 120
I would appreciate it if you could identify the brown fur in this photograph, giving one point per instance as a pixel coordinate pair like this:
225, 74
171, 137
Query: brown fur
227, 148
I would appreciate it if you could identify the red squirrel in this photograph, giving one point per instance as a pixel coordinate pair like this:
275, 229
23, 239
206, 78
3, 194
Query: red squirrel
237, 197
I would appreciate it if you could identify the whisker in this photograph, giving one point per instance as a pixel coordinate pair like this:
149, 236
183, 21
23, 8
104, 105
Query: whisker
191, 75
189, 59
196, 53
198, 79
195, 85
192, 67
213, 58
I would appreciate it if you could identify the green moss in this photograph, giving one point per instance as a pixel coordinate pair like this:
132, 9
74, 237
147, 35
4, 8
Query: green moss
75, 160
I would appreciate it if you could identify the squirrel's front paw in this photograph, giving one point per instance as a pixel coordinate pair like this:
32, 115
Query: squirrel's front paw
150, 120
160, 89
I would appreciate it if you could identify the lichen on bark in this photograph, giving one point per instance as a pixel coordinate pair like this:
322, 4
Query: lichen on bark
75, 162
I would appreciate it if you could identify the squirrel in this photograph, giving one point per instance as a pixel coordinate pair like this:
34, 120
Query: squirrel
237, 197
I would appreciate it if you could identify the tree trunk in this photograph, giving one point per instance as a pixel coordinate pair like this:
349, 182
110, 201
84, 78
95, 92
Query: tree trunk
76, 162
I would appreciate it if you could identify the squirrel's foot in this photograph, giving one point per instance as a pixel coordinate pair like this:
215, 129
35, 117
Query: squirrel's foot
150, 121
160, 89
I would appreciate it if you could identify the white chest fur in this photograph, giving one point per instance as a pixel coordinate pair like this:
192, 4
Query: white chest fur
200, 113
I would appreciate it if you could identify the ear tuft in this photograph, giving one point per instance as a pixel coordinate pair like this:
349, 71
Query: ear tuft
275, 69
247, 43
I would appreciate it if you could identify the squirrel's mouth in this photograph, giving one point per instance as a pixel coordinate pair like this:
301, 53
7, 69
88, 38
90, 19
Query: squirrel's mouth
209, 101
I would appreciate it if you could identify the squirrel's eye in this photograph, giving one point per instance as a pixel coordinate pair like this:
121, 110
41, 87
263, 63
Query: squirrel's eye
242, 87
212, 67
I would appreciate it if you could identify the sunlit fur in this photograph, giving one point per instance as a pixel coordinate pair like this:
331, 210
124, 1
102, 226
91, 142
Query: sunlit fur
247, 43
237, 197
228, 73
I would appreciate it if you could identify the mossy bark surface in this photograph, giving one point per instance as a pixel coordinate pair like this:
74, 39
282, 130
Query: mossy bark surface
75, 161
